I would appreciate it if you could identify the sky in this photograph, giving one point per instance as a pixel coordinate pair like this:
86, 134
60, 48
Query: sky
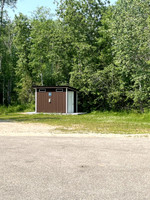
28, 6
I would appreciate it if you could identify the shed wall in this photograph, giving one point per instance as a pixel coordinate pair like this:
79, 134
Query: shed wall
57, 105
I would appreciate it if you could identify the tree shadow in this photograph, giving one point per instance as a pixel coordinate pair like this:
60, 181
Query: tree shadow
36, 119
5, 120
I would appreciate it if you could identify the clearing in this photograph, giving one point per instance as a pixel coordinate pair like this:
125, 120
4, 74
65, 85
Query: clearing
9, 128
96, 122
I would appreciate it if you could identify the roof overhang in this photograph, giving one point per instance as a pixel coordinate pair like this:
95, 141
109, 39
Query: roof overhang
54, 87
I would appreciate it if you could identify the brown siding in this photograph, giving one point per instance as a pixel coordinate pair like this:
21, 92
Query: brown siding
57, 105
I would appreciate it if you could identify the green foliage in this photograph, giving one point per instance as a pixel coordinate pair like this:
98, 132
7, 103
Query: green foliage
130, 34
23, 71
95, 122
82, 20
42, 55
7, 60
17, 108
101, 50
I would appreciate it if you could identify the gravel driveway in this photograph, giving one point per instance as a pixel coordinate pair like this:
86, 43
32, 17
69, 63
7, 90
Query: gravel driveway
8, 128
71, 168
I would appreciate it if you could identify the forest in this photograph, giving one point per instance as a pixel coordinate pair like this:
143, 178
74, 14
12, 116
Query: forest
102, 50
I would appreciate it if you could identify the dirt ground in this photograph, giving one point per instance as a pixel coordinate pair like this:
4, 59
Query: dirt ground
9, 128
25, 129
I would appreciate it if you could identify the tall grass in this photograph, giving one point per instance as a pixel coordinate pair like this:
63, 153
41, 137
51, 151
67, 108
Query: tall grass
16, 108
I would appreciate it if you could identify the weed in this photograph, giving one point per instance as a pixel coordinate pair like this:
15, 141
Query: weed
98, 122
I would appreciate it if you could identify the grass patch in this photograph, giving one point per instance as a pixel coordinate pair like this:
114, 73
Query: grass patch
17, 108
98, 122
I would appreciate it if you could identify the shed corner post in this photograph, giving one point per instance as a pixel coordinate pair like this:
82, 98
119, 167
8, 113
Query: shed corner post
66, 100
76, 102
36, 100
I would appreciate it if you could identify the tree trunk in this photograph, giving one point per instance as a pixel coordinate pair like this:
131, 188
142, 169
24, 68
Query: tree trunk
0, 63
140, 102
1, 21
41, 79
3, 90
2, 10
9, 93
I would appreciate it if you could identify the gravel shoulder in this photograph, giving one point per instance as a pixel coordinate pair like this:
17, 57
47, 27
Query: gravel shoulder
25, 129
9, 128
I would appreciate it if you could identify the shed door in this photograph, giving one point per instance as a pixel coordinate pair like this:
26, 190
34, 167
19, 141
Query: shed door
70, 102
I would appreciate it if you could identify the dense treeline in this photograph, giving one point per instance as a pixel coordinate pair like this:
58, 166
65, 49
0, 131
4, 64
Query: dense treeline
102, 50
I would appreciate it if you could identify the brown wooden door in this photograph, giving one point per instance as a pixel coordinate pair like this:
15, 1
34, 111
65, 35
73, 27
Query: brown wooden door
56, 104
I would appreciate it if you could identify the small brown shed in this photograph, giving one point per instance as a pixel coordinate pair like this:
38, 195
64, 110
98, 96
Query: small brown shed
57, 99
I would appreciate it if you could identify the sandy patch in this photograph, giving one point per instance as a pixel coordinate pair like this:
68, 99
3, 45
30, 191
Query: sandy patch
25, 129
9, 128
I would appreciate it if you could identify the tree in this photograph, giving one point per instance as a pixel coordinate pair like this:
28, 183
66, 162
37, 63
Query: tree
51, 50
22, 43
130, 33
3, 3
5, 51
81, 21
42, 47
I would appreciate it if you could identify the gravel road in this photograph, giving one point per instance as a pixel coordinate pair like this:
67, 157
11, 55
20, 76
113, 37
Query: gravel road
8, 128
71, 167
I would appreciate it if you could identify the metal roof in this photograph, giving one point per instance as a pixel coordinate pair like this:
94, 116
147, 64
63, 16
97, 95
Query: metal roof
54, 87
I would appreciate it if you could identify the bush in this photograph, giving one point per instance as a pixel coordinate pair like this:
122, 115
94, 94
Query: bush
16, 108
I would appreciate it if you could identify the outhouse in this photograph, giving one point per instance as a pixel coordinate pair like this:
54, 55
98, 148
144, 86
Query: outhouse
58, 99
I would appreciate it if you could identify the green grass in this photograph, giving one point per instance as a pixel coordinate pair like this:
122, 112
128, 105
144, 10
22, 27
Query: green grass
17, 108
99, 122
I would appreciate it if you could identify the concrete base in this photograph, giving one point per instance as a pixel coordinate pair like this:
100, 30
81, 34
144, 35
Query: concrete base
79, 113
